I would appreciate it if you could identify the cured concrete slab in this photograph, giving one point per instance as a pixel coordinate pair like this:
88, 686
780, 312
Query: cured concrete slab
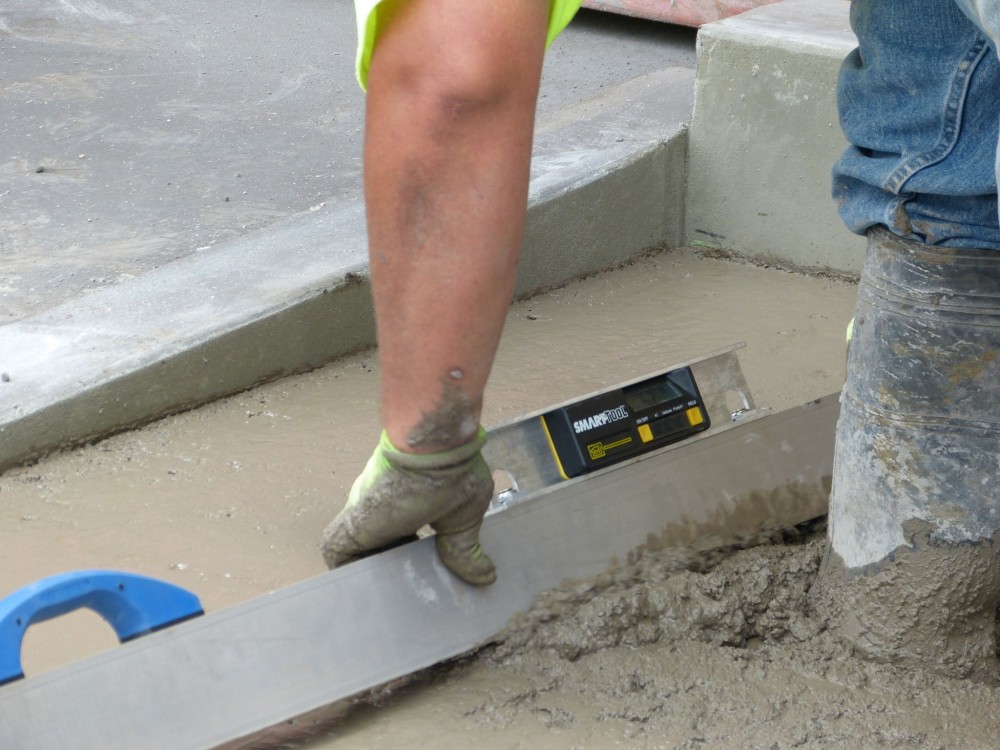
765, 134
294, 295
138, 132
181, 195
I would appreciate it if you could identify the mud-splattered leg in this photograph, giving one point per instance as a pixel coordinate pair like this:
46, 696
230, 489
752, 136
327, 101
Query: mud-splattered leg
449, 123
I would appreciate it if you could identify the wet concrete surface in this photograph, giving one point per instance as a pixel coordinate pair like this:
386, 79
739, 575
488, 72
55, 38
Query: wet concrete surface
681, 650
138, 132
230, 500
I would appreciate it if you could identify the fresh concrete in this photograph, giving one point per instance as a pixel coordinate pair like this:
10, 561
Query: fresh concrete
765, 134
294, 295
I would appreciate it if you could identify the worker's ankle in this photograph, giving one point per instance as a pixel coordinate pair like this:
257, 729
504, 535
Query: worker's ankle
440, 459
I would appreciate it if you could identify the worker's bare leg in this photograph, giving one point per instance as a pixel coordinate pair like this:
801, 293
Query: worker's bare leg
450, 117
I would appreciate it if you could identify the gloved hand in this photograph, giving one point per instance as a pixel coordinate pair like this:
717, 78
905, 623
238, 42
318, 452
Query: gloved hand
397, 493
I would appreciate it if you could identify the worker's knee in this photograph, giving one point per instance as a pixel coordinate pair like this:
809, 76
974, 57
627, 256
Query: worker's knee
461, 66
470, 83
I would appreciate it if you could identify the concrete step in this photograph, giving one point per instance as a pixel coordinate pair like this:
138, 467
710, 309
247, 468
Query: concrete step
765, 133
607, 183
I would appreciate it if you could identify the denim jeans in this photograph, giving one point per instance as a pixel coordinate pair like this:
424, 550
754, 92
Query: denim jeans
920, 103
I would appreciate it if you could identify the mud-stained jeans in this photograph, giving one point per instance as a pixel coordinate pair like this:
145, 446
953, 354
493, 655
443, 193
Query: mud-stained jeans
914, 552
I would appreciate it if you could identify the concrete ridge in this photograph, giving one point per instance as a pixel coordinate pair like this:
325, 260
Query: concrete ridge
607, 183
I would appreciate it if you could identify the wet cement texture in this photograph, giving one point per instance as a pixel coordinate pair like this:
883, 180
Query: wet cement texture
679, 647
727, 648
929, 603
735, 653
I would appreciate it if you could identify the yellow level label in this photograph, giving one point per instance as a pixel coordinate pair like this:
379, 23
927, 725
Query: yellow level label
600, 450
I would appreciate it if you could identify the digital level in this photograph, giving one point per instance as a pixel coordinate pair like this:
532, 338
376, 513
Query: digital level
625, 422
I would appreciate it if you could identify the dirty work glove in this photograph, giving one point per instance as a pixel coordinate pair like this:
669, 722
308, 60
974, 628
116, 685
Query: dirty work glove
398, 493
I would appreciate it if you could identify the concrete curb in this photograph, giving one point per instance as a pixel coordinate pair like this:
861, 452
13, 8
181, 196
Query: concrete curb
607, 182
765, 134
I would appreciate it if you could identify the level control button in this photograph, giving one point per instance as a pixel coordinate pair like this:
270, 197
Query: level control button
645, 433
694, 415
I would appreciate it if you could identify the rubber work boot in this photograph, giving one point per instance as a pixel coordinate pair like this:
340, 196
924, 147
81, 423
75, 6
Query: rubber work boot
398, 493
913, 562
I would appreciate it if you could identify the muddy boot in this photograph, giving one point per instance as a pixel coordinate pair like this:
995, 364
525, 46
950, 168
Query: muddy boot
398, 493
915, 509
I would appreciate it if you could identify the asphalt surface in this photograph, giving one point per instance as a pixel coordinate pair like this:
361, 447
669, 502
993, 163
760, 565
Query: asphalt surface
139, 132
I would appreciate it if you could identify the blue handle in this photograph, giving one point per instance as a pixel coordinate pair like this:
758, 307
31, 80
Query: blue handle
133, 605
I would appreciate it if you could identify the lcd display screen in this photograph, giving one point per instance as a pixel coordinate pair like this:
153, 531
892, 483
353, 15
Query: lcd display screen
652, 395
